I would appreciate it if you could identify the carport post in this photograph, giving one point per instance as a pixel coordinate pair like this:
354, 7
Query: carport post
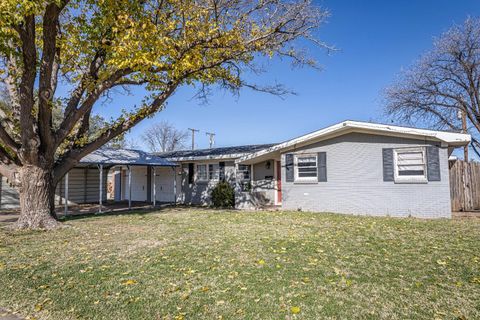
66, 194
154, 187
174, 186
100, 196
129, 187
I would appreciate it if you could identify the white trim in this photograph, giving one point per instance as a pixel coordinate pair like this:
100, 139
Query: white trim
410, 179
231, 156
278, 202
252, 177
154, 186
295, 167
242, 171
100, 195
213, 164
207, 164
66, 193
452, 139
197, 179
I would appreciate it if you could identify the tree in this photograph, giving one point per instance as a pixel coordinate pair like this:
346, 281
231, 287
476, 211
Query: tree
163, 137
444, 85
97, 122
92, 47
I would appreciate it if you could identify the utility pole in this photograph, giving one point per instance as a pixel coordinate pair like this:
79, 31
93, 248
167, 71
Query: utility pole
211, 137
463, 116
193, 137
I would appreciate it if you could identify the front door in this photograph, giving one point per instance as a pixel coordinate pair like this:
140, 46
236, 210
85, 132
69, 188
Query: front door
279, 182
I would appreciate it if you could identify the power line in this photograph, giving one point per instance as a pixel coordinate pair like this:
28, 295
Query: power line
193, 136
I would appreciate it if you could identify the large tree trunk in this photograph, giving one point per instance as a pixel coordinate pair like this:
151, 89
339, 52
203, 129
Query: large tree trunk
37, 194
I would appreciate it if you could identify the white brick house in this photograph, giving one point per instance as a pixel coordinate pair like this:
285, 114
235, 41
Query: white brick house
351, 167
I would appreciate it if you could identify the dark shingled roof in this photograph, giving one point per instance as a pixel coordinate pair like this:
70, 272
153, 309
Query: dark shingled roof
214, 152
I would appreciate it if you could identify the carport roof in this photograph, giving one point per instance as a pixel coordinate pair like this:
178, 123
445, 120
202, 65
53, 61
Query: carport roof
125, 157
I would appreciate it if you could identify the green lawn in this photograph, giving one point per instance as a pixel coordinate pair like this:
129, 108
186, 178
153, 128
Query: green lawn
205, 264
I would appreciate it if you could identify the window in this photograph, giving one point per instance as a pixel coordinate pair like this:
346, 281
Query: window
306, 167
243, 172
213, 172
410, 165
202, 172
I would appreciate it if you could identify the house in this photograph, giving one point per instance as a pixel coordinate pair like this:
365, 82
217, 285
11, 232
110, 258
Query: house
351, 167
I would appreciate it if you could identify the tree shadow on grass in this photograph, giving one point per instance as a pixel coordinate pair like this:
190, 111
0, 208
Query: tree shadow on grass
125, 212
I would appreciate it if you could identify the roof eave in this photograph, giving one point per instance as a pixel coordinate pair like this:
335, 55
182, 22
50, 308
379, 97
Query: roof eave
452, 139
206, 158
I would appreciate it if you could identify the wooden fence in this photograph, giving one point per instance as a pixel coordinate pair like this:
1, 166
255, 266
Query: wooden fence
465, 186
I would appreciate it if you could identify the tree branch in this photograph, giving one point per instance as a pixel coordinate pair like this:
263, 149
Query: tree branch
8, 140
73, 156
74, 115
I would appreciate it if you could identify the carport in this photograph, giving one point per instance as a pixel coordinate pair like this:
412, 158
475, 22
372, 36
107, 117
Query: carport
106, 159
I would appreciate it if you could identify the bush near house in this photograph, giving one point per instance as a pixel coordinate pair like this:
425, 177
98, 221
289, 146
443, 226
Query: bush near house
223, 195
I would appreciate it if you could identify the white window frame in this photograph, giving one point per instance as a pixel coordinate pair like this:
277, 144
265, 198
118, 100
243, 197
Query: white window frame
213, 164
295, 165
249, 170
197, 177
410, 179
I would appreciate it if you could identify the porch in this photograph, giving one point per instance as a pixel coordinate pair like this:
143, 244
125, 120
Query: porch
259, 184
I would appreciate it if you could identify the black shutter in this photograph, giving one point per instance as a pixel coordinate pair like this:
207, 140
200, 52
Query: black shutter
221, 166
190, 173
289, 174
388, 166
322, 166
433, 164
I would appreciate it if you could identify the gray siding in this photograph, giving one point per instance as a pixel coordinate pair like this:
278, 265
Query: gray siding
83, 186
199, 193
355, 181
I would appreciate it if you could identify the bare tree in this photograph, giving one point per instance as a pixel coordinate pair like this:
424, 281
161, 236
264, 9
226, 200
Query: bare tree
163, 137
443, 86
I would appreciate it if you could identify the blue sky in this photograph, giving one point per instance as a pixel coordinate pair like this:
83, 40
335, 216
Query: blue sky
376, 39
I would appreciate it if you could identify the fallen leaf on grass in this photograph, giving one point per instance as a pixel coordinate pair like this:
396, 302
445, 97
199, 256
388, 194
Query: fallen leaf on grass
442, 263
295, 310
129, 282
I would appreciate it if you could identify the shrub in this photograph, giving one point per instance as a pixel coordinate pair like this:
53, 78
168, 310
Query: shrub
223, 195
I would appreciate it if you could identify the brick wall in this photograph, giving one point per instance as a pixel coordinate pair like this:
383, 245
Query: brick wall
355, 181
